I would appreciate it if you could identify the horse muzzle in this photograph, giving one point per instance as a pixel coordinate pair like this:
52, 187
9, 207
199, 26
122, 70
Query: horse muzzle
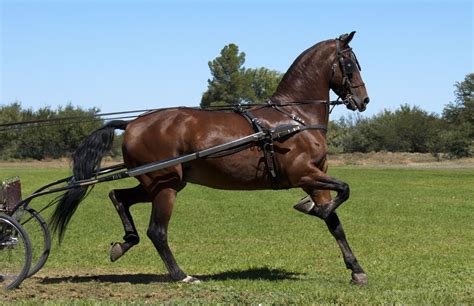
355, 103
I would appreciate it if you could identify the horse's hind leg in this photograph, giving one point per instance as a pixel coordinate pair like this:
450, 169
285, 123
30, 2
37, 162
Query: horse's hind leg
162, 209
122, 200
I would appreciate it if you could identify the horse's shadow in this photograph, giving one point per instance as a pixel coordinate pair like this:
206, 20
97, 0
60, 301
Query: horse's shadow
263, 273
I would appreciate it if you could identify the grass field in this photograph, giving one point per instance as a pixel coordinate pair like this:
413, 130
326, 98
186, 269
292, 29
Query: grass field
411, 230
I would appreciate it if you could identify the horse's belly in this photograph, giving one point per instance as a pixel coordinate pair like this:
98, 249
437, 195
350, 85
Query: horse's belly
236, 172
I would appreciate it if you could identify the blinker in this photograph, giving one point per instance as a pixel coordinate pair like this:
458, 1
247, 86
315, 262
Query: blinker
349, 66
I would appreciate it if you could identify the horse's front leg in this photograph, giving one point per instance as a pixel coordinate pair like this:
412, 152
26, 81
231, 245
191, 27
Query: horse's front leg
312, 185
335, 227
320, 204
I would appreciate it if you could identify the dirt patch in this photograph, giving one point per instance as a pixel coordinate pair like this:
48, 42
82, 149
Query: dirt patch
373, 159
50, 163
388, 159
96, 285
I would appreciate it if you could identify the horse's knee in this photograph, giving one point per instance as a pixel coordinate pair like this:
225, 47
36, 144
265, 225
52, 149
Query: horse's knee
344, 191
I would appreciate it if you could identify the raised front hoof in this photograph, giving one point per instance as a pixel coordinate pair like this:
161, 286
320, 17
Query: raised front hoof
359, 279
116, 251
305, 205
190, 280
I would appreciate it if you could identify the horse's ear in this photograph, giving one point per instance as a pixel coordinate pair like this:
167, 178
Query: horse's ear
346, 38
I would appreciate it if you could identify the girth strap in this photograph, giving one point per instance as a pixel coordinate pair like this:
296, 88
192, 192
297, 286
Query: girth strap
266, 144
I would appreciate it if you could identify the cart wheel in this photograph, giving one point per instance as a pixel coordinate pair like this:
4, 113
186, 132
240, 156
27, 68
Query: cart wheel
15, 253
40, 238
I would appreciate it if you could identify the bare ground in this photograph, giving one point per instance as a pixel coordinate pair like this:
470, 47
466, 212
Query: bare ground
373, 159
99, 285
91, 284
48, 163
388, 159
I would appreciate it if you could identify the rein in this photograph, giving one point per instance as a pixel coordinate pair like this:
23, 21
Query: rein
270, 103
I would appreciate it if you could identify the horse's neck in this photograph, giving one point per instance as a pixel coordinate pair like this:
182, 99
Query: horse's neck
308, 79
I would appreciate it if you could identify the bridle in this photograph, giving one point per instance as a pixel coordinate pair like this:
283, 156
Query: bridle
348, 66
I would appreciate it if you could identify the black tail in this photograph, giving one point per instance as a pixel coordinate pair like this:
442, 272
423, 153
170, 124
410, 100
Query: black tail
86, 162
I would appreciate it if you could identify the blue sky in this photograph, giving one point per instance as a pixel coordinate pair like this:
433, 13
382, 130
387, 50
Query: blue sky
123, 55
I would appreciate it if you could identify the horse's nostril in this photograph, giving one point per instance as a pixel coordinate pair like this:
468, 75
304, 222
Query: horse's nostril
366, 100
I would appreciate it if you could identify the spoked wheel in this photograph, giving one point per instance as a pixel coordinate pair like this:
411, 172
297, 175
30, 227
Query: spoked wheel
15, 252
40, 238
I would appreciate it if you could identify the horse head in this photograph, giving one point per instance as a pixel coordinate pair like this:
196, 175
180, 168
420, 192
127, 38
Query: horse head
330, 64
346, 80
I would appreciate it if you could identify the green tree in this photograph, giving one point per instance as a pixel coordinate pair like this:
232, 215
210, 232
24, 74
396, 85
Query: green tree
228, 83
233, 84
352, 134
407, 129
8, 137
462, 109
458, 136
52, 139
263, 83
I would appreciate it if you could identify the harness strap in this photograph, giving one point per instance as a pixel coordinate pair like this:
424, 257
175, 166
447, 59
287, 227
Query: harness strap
314, 127
292, 116
266, 144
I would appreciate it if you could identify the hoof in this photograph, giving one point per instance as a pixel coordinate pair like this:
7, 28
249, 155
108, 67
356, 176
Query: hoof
190, 280
359, 279
116, 251
304, 205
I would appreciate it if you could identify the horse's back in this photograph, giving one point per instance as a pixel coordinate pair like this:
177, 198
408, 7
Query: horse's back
183, 130
175, 132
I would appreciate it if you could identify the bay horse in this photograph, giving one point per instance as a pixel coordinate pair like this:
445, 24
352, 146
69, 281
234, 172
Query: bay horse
299, 160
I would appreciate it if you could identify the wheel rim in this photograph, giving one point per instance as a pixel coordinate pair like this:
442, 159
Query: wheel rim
15, 253
40, 238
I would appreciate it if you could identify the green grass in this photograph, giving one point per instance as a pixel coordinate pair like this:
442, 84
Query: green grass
411, 230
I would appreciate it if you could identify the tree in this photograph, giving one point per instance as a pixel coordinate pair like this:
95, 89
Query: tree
9, 138
228, 83
51, 139
407, 129
457, 137
263, 83
233, 84
462, 109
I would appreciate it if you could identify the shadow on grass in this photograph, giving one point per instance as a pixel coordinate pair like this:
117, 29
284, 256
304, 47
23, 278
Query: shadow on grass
252, 274
265, 274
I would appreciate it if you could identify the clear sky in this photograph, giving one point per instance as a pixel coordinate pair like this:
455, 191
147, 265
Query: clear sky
124, 55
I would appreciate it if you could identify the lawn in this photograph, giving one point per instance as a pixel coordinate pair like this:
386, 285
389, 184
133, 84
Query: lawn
411, 230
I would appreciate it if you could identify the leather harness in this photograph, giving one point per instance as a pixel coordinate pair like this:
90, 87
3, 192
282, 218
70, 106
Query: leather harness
266, 144
347, 65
